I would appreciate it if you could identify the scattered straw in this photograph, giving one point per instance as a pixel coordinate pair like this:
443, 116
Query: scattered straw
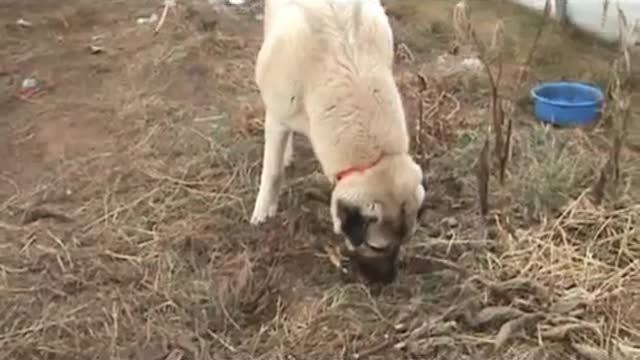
143, 250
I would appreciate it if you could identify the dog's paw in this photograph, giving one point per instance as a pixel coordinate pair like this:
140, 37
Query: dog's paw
289, 155
262, 213
288, 160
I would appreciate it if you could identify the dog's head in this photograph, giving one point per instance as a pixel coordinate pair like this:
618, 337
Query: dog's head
377, 210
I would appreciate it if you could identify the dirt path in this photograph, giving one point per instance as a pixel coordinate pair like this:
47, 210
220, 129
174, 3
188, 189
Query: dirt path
126, 185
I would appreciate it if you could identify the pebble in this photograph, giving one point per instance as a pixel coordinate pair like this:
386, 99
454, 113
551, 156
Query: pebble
450, 235
147, 20
29, 83
457, 205
491, 233
473, 64
96, 49
450, 222
23, 23
434, 232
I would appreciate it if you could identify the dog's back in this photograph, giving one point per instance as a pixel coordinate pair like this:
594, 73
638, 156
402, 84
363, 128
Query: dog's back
313, 33
321, 53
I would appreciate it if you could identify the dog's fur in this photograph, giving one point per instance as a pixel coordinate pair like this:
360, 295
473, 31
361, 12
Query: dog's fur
325, 70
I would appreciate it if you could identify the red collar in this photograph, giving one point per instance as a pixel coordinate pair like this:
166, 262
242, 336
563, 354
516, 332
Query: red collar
357, 168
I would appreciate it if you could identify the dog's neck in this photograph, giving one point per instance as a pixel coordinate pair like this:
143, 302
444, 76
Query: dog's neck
355, 116
357, 168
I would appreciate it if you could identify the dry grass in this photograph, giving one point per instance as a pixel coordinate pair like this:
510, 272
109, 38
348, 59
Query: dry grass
586, 258
140, 248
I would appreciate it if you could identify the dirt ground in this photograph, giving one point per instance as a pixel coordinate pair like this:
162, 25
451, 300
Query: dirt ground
127, 180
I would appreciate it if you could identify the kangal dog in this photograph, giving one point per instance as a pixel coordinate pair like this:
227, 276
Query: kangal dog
325, 70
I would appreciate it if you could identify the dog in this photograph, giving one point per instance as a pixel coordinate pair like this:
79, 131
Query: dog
324, 70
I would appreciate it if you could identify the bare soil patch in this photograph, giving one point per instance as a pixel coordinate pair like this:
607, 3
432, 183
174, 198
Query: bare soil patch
127, 181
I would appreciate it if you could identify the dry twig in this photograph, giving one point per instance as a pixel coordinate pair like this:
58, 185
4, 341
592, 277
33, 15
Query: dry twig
167, 4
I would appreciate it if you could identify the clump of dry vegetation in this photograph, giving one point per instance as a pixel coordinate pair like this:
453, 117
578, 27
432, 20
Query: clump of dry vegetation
139, 247
551, 178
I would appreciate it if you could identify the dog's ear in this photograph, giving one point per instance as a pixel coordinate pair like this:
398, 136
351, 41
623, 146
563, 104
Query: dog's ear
423, 205
353, 222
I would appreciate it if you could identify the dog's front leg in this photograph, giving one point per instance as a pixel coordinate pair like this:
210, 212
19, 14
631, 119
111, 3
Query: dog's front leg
276, 139
288, 151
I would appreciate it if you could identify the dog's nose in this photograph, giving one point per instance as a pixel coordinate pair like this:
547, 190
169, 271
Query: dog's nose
380, 245
380, 249
378, 269
383, 249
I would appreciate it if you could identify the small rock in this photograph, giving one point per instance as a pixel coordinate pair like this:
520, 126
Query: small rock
30, 87
147, 20
442, 59
434, 232
175, 354
29, 83
450, 222
449, 235
491, 233
402, 327
473, 64
457, 205
491, 219
187, 343
23, 23
96, 49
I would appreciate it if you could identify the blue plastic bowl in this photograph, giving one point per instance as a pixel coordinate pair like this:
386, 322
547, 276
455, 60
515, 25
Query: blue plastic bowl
567, 102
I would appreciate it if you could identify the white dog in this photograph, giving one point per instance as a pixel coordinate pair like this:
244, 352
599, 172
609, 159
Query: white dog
325, 70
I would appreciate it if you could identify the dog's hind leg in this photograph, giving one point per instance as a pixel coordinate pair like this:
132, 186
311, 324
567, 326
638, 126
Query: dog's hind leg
277, 138
288, 151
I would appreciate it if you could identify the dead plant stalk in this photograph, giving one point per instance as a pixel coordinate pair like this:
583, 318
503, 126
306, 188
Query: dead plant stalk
502, 141
619, 93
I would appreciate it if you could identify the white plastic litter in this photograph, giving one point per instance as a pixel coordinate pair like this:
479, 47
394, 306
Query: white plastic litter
147, 20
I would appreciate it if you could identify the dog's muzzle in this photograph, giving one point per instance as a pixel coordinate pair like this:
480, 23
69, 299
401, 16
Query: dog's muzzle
376, 265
